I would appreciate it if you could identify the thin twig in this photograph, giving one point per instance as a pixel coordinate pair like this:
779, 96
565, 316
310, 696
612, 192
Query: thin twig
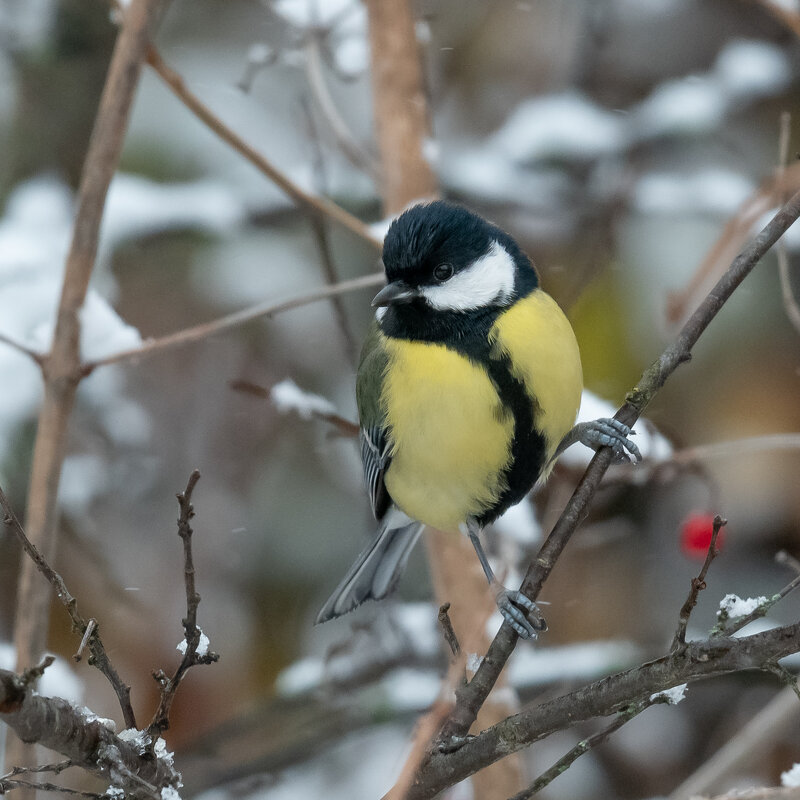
447, 629
763, 608
472, 696
56, 769
99, 657
344, 426
698, 584
582, 747
357, 155
206, 329
320, 230
192, 634
35, 355
312, 203
9, 784
734, 234
86, 636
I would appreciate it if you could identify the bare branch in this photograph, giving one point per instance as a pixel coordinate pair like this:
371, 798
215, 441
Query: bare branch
34, 355
763, 608
349, 145
320, 230
700, 659
447, 629
315, 205
91, 635
584, 746
86, 741
192, 634
698, 584
206, 329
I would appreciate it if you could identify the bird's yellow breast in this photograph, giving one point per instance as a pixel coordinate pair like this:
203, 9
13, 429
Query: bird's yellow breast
544, 356
450, 433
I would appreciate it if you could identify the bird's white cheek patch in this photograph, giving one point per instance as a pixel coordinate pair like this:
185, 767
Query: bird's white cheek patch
489, 280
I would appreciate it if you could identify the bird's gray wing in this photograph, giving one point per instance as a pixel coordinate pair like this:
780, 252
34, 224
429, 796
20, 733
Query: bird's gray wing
375, 438
375, 459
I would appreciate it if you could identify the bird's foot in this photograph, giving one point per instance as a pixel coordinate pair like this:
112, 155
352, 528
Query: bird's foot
517, 609
609, 432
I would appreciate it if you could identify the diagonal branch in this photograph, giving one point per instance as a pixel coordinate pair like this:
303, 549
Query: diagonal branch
310, 202
471, 698
206, 329
609, 695
581, 748
91, 636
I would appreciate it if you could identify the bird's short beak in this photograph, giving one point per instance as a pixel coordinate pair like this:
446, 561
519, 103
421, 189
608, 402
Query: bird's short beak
395, 292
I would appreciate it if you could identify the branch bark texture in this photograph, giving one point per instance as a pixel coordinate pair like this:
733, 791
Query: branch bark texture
86, 742
609, 695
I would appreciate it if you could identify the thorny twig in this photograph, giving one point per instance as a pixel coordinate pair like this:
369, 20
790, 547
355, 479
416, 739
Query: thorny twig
698, 584
99, 657
192, 633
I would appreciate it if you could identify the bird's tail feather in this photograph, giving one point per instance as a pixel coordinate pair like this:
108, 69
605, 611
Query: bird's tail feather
376, 571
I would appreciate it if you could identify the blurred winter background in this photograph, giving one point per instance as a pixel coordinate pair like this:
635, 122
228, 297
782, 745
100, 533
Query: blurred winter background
615, 139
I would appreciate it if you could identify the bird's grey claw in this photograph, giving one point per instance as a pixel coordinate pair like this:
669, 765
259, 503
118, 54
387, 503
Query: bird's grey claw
515, 608
609, 432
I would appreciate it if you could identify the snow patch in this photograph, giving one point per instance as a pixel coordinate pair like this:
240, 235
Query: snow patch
287, 396
673, 696
734, 606
791, 778
202, 645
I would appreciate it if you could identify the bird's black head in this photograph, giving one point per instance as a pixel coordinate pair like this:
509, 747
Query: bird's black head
440, 257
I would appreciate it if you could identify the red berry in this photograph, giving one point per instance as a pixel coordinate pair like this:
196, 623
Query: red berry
696, 532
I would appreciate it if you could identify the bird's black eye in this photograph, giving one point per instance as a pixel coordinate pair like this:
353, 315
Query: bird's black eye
443, 272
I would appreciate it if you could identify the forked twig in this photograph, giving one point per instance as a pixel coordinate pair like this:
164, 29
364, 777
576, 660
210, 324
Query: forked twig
698, 584
192, 653
91, 636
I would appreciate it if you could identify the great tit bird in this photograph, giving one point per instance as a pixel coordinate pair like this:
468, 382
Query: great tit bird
468, 388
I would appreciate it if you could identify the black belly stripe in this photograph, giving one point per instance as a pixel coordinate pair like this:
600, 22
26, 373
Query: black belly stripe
468, 334
528, 445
